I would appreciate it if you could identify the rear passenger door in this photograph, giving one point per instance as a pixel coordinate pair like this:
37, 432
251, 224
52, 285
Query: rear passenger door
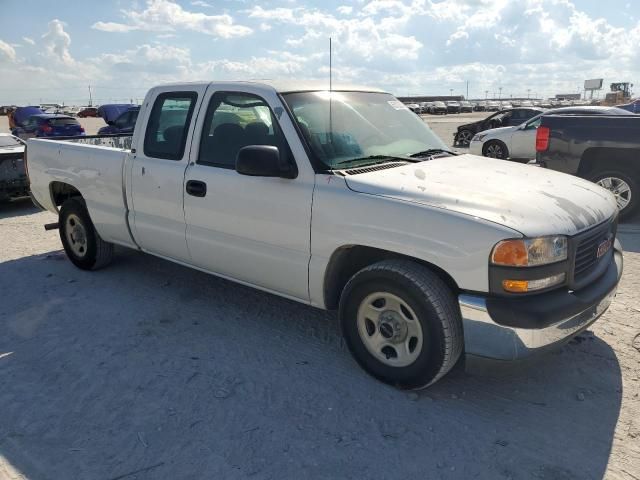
161, 154
251, 229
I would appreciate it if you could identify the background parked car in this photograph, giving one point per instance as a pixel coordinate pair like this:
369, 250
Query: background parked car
633, 107
439, 108
21, 114
453, 106
88, 112
47, 125
493, 106
519, 142
414, 107
506, 105
466, 106
124, 124
70, 111
480, 106
503, 118
428, 107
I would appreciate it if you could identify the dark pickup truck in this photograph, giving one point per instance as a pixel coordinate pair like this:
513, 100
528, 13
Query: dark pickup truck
603, 149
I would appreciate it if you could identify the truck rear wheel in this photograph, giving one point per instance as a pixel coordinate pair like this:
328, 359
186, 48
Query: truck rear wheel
80, 240
624, 187
402, 323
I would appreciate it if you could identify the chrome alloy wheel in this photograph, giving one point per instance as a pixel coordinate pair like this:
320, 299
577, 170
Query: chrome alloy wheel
494, 151
619, 188
464, 137
76, 235
389, 329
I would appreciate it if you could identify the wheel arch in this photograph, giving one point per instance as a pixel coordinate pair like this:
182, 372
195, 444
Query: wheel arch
608, 158
61, 191
486, 144
349, 259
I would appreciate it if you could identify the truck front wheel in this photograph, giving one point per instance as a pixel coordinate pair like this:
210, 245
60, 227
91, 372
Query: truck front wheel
402, 323
80, 240
624, 187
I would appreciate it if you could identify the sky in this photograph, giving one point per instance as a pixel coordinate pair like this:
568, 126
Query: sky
51, 51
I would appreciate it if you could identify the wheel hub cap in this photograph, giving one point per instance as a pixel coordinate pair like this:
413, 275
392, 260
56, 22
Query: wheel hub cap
390, 329
76, 235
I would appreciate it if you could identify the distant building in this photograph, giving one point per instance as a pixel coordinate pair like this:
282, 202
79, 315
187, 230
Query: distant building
568, 96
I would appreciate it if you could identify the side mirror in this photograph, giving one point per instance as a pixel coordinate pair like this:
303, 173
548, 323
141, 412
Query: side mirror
262, 161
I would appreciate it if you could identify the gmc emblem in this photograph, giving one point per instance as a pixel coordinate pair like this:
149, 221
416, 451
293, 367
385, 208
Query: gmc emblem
604, 247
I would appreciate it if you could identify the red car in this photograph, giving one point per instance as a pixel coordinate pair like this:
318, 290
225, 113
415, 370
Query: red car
88, 112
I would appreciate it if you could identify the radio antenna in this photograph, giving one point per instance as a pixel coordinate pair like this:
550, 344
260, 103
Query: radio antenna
330, 91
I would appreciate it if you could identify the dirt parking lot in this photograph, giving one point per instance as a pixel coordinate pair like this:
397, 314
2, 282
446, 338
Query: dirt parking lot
150, 370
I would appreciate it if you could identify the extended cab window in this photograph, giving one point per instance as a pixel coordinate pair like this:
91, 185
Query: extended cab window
236, 120
168, 125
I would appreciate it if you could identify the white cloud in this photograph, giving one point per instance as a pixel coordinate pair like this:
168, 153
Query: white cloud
56, 43
200, 3
113, 27
345, 9
364, 38
166, 15
29, 40
7, 52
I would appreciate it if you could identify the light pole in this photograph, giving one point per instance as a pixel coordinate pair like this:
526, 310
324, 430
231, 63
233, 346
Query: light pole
500, 93
528, 93
486, 94
451, 92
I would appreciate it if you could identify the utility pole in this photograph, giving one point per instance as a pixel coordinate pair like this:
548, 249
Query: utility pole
528, 93
90, 97
451, 92
486, 94
500, 94
467, 97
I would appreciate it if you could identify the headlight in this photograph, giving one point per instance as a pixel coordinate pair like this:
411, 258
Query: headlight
530, 252
478, 137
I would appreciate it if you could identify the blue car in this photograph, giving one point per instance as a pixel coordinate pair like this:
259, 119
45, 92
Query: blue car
633, 107
48, 125
119, 120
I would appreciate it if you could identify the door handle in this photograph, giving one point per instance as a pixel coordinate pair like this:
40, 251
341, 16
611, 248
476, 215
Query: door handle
196, 188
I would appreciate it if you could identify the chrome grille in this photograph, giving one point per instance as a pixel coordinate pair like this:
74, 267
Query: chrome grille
586, 257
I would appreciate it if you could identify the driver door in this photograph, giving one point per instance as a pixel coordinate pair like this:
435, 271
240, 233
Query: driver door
251, 229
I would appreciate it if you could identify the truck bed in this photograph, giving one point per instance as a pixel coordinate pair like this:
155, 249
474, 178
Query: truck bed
95, 165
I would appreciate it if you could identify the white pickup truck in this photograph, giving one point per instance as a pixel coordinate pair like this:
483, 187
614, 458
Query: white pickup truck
343, 199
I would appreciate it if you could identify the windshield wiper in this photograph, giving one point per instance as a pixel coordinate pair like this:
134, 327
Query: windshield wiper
387, 158
431, 152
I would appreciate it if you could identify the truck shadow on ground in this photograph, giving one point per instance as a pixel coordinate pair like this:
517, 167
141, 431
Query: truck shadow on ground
17, 208
157, 371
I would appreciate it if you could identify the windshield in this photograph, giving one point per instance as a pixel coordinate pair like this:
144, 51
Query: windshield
8, 141
361, 125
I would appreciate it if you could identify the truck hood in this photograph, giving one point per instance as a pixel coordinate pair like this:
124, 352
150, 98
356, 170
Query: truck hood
532, 200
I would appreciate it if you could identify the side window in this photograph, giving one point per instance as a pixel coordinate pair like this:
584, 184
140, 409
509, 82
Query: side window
534, 124
122, 120
236, 120
168, 125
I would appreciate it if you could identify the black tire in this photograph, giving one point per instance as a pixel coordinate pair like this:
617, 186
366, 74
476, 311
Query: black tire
463, 138
633, 181
96, 253
495, 149
437, 311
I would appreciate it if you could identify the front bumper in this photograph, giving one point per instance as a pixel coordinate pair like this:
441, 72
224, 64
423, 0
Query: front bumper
485, 337
475, 148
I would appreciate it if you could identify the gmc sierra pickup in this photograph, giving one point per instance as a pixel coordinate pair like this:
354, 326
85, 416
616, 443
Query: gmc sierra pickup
603, 149
343, 199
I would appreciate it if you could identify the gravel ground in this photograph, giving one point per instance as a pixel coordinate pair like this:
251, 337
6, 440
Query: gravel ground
150, 370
